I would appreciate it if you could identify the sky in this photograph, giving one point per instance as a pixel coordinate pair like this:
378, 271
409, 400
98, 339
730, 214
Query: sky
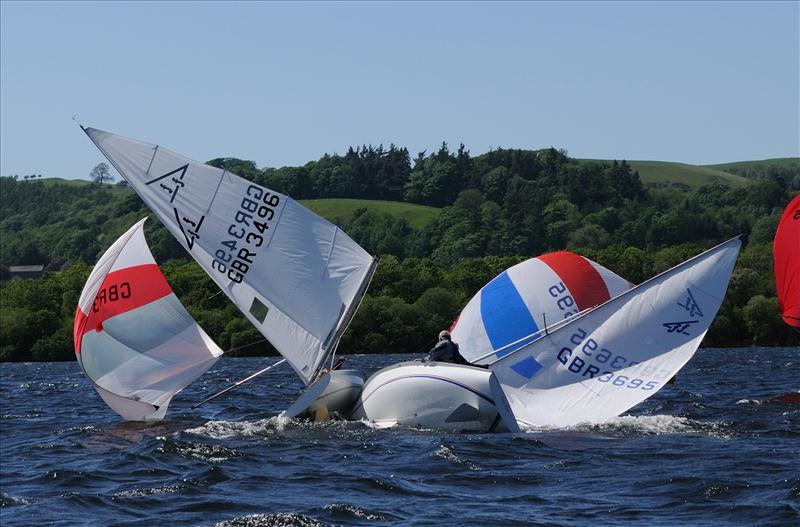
284, 83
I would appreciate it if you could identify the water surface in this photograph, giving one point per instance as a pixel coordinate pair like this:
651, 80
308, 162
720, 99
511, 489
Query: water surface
711, 449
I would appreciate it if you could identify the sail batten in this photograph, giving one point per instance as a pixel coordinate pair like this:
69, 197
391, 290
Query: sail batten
289, 271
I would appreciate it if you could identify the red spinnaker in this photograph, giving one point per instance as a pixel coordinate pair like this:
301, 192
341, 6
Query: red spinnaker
786, 252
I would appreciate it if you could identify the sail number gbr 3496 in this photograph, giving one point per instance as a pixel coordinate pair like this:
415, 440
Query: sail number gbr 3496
248, 232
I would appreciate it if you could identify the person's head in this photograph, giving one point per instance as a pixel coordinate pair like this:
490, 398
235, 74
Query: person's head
444, 335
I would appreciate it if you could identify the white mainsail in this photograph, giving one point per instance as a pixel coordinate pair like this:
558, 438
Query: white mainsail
133, 337
601, 363
295, 276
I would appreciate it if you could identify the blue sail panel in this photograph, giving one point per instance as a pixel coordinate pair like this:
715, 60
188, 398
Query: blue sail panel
505, 316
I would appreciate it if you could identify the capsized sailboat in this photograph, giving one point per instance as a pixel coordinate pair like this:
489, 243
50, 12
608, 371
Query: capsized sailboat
786, 256
604, 361
295, 276
133, 338
514, 308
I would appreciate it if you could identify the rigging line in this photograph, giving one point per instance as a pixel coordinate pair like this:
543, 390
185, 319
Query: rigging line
245, 345
239, 383
215, 294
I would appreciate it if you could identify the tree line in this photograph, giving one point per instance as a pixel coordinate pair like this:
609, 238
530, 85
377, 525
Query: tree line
497, 209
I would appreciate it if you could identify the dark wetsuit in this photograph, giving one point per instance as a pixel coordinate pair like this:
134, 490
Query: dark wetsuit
445, 351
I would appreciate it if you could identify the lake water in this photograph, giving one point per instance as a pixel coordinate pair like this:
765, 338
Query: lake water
708, 450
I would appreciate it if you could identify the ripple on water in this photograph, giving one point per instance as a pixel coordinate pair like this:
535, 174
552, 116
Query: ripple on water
287, 519
7, 500
230, 429
194, 450
348, 512
137, 493
447, 453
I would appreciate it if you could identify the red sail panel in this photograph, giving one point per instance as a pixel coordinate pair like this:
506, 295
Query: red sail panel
786, 251
583, 281
122, 291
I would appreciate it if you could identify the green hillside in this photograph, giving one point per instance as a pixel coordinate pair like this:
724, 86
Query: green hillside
744, 166
693, 176
77, 183
340, 210
443, 225
337, 211
49, 181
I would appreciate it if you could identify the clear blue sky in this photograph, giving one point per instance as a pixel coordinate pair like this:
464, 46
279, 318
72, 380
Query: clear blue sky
282, 84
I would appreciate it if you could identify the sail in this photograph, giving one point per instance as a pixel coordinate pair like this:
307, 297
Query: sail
786, 252
524, 299
295, 276
601, 363
133, 337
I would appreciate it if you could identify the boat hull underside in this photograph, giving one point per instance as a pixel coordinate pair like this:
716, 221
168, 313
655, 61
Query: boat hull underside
429, 395
334, 395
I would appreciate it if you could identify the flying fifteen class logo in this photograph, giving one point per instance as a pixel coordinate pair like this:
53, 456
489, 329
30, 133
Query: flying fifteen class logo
692, 307
171, 183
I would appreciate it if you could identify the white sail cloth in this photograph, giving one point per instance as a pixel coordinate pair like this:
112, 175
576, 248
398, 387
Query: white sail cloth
133, 337
294, 275
516, 305
601, 363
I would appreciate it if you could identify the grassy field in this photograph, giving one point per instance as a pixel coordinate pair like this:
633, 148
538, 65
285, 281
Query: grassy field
83, 183
745, 165
693, 176
334, 210
60, 181
339, 210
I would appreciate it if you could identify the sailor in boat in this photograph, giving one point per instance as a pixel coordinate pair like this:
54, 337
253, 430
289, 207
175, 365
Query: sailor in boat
445, 350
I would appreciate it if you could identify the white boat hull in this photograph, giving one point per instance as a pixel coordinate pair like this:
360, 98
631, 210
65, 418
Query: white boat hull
334, 394
430, 395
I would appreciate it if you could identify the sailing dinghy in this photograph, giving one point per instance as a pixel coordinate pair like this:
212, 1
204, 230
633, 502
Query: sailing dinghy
602, 362
295, 276
786, 255
133, 338
507, 313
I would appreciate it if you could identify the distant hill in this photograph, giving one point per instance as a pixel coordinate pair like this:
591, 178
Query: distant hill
741, 167
120, 190
61, 181
337, 211
735, 174
444, 224
693, 176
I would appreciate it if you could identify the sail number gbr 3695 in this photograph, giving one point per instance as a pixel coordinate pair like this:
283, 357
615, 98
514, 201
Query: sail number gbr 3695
247, 233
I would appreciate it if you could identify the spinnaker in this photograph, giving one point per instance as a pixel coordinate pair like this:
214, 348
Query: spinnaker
523, 300
133, 337
786, 254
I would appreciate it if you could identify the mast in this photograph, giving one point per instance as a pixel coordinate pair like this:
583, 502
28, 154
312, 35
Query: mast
347, 317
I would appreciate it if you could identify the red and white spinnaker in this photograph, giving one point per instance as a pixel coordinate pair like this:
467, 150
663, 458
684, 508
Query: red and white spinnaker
133, 337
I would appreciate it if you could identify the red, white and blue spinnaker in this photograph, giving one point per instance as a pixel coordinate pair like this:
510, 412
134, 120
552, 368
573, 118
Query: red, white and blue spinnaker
523, 301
